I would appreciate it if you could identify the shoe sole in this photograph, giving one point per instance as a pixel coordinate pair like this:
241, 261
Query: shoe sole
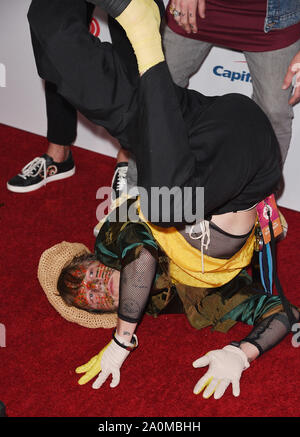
34, 187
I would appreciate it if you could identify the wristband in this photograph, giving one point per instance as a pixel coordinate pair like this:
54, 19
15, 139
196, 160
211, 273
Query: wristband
129, 346
235, 343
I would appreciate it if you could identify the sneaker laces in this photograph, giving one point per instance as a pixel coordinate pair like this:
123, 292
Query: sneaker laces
204, 236
121, 178
34, 167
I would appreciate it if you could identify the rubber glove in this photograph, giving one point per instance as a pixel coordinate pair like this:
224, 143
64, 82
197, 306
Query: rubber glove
225, 367
108, 361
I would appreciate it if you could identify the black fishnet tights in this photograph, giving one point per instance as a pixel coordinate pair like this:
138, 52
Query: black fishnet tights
270, 331
135, 285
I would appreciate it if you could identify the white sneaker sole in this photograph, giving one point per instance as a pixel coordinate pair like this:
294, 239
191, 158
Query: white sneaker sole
34, 187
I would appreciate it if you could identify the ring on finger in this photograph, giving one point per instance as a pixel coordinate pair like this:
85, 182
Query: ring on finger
174, 12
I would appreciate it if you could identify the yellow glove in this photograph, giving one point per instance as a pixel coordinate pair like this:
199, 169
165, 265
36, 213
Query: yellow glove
91, 368
141, 22
108, 361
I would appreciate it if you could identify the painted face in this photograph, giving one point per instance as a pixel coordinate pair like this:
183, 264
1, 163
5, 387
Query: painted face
100, 288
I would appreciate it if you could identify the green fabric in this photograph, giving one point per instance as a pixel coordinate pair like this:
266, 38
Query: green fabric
119, 243
105, 252
142, 237
206, 306
252, 309
159, 301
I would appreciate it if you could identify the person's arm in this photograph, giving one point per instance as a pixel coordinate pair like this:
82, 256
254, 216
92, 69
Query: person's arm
107, 362
293, 70
266, 334
125, 329
250, 351
135, 284
137, 252
227, 365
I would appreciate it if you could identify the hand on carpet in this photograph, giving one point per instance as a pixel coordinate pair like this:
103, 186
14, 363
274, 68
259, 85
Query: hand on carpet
225, 367
108, 361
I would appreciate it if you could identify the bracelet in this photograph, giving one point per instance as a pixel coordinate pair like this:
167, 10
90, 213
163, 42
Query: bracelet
235, 343
128, 347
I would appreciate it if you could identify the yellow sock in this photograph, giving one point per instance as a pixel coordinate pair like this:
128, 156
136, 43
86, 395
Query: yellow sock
141, 22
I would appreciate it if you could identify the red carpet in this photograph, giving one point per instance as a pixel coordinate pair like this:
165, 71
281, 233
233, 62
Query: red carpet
42, 350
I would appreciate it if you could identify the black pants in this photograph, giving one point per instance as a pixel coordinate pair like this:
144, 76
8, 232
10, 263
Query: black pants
62, 115
180, 138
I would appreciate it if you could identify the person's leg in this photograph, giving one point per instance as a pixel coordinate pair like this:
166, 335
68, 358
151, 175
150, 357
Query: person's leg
61, 115
123, 48
61, 123
57, 163
175, 146
268, 70
87, 72
122, 174
188, 141
224, 144
184, 56
124, 177
61, 132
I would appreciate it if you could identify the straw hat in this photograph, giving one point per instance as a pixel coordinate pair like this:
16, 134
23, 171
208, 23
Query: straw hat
51, 263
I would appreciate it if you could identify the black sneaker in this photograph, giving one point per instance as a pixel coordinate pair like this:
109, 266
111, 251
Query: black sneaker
119, 180
39, 172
